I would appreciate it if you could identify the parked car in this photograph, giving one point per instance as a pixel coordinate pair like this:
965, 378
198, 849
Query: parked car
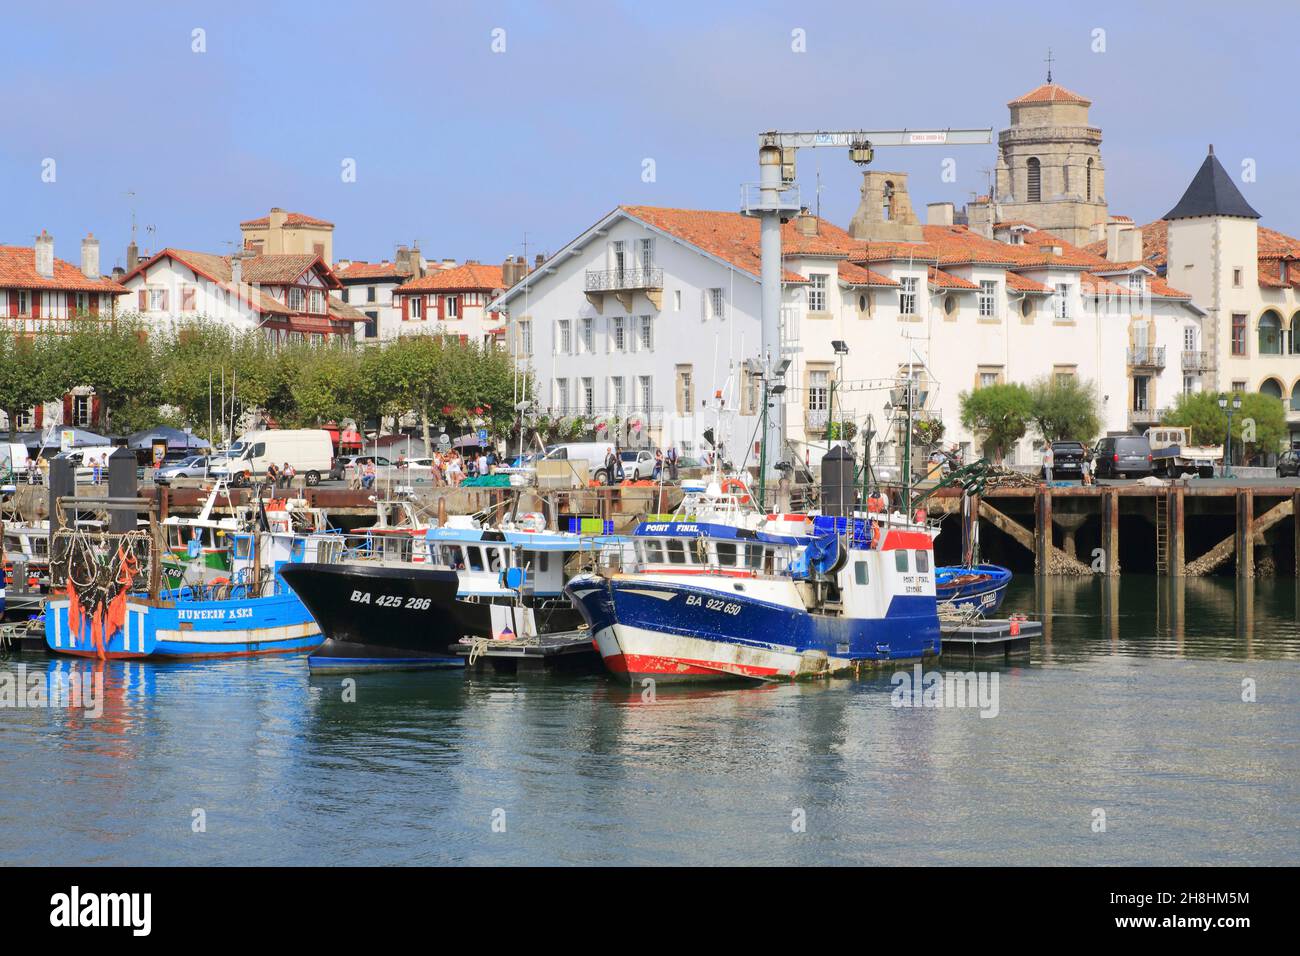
1067, 460
637, 464
1288, 464
1122, 456
195, 466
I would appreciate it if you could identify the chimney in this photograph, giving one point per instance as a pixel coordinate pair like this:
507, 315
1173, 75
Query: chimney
90, 256
403, 260
1050, 250
118, 273
939, 214
237, 269
1123, 244
448, 264
806, 224
537, 263
45, 255
132, 255
277, 217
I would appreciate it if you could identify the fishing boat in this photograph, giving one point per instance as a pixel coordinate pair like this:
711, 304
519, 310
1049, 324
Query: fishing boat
110, 599
380, 609
723, 591
978, 586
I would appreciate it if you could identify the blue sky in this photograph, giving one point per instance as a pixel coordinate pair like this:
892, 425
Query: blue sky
467, 150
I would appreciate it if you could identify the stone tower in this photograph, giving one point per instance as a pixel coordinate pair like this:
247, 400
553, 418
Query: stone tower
885, 213
1049, 169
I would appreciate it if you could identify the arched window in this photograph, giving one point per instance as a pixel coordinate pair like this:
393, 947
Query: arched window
1295, 334
1035, 180
1295, 397
1271, 386
1270, 334
1088, 180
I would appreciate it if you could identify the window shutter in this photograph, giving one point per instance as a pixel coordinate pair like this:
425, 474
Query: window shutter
13, 303
94, 304
67, 408
406, 308
144, 300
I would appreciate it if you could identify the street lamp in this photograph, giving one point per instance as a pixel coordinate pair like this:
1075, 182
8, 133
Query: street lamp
1231, 410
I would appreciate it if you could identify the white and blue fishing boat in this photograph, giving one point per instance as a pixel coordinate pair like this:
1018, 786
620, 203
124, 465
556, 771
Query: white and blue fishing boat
973, 584
723, 591
112, 602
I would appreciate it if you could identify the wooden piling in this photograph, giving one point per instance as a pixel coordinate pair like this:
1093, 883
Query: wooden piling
1043, 530
1245, 543
1110, 530
1295, 531
1177, 558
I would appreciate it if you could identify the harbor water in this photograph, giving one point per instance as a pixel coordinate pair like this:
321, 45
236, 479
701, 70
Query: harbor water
1124, 740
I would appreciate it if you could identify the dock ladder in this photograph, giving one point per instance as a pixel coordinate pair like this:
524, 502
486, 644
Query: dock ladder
1162, 533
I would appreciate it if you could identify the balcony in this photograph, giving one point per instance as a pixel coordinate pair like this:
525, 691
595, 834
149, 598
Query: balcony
1145, 416
815, 419
1196, 361
1147, 356
623, 284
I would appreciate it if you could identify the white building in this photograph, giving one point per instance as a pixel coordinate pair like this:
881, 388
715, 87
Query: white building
287, 297
652, 312
1245, 276
454, 301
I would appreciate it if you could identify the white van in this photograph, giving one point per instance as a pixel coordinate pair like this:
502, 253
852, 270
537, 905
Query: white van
309, 450
592, 452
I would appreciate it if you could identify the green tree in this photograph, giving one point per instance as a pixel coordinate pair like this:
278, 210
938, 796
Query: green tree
999, 414
1065, 408
27, 376
1258, 427
115, 358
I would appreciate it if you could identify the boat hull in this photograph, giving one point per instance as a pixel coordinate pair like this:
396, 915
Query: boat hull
278, 624
406, 616
982, 587
674, 632
377, 617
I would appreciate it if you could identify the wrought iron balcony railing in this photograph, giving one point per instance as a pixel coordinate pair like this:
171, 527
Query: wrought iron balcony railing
624, 280
1147, 356
1195, 361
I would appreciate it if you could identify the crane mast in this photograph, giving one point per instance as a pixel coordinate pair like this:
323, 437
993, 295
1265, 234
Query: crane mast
774, 199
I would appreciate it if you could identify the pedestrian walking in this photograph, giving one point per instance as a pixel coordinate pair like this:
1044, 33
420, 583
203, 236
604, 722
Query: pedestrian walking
1047, 463
671, 459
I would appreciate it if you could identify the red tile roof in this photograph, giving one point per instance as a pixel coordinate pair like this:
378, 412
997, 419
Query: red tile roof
943, 280
1050, 93
356, 271
290, 219
255, 271
470, 277
851, 274
1018, 283
18, 271
733, 238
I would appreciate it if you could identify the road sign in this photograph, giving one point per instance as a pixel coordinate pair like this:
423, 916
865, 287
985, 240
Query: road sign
482, 435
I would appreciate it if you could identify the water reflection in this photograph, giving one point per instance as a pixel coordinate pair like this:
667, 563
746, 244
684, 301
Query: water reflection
1143, 615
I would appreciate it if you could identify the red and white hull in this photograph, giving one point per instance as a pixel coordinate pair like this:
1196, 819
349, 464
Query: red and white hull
634, 653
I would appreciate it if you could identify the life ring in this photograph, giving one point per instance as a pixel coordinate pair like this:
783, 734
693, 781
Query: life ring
736, 485
219, 580
877, 539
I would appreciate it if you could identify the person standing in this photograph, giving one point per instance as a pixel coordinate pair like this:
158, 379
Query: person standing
671, 459
1047, 463
611, 467
659, 464
97, 469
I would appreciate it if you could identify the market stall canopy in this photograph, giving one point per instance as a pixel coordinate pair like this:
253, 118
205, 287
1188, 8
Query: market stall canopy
176, 439
52, 437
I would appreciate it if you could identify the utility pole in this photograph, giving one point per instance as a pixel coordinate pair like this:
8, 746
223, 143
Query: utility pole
775, 200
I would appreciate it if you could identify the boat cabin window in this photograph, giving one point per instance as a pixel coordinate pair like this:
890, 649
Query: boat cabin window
328, 552
652, 552
243, 547
922, 561
754, 556
900, 560
726, 554
474, 558
452, 556
676, 551
543, 561
860, 572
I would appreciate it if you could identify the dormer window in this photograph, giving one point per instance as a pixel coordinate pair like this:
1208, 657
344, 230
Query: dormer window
297, 298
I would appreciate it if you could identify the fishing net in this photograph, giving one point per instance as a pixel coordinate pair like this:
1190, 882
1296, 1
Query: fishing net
99, 571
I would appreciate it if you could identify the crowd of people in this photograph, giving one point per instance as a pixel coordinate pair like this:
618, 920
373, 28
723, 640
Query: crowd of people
445, 469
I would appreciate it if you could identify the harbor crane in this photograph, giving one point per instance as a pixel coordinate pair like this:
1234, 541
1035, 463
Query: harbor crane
774, 199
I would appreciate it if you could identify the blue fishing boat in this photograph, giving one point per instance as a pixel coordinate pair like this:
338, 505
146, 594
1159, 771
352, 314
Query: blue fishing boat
111, 601
723, 591
980, 586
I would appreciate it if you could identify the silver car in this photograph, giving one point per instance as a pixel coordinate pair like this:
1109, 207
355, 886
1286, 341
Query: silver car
195, 466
